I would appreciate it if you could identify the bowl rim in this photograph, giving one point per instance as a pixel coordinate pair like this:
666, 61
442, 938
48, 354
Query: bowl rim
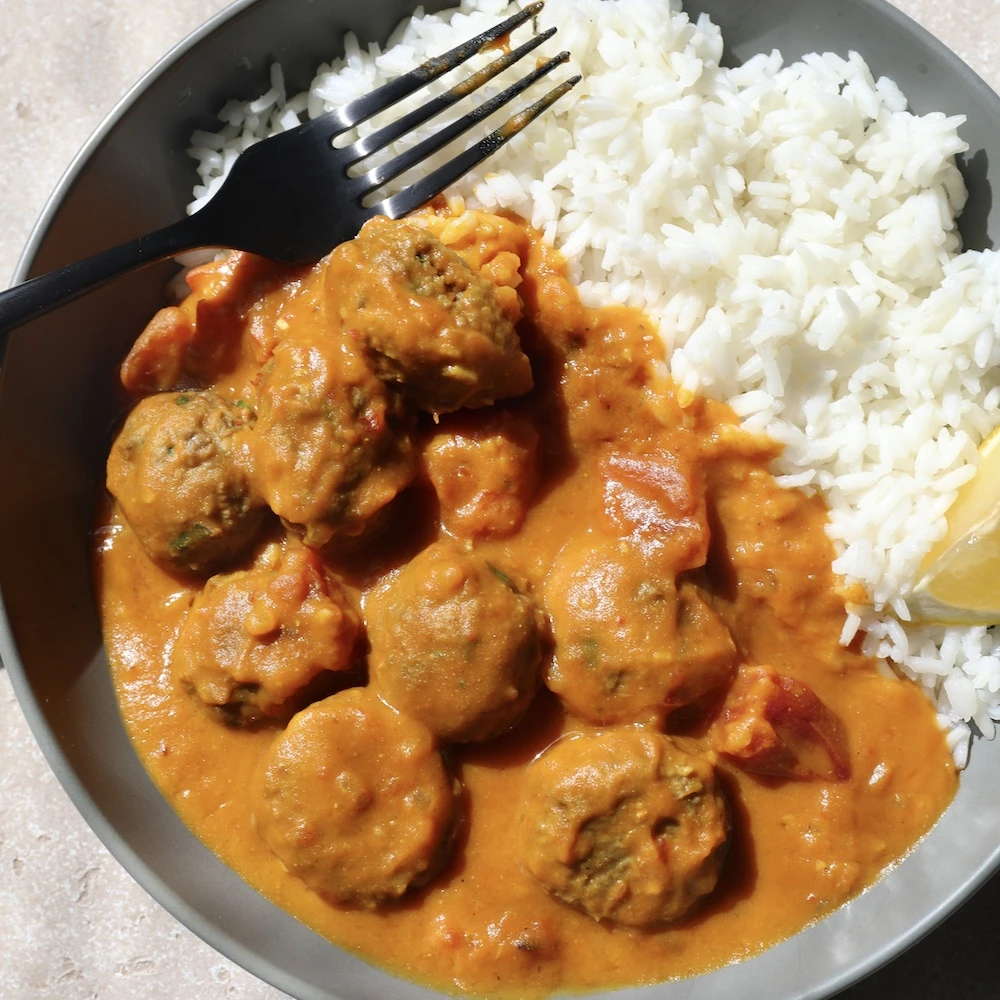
111, 839
157, 889
22, 270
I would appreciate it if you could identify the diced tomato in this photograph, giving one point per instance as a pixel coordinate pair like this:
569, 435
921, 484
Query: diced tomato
661, 500
156, 361
776, 725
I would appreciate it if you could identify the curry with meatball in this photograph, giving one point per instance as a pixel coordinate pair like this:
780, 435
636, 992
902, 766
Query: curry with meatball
445, 619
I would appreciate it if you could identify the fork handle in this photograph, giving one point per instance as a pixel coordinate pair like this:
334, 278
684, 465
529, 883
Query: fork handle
37, 296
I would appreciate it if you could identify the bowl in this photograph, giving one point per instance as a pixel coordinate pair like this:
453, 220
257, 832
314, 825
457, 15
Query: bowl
56, 406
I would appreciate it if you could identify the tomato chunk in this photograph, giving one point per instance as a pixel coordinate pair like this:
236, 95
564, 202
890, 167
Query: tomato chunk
660, 500
484, 469
156, 361
776, 725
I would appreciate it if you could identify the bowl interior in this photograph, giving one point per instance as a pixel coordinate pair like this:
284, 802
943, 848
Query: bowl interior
58, 402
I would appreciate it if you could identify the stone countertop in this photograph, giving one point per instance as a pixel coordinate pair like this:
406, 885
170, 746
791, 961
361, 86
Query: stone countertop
74, 924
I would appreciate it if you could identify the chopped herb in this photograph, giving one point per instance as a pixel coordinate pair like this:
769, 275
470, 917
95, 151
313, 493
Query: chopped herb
503, 578
613, 681
196, 533
650, 590
183, 399
590, 651
242, 404
244, 693
359, 398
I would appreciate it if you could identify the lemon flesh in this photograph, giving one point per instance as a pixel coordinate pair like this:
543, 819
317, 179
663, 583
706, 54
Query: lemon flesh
958, 582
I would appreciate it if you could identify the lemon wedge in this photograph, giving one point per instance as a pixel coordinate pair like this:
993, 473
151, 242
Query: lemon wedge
958, 582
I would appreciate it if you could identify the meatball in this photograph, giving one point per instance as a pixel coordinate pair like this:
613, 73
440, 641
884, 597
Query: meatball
354, 799
330, 449
455, 644
259, 644
175, 473
484, 469
624, 825
629, 645
430, 323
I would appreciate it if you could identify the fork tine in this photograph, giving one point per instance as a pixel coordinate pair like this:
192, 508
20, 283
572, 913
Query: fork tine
384, 136
377, 176
434, 183
357, 111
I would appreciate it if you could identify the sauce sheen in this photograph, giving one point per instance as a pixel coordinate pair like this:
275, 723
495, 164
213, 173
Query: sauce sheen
606, 423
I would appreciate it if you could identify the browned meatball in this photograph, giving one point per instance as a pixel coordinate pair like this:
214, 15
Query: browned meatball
354, 799
484, 469
430, 323
629, 646
175, 473
330, 448
455, 644
624, 825
258, 644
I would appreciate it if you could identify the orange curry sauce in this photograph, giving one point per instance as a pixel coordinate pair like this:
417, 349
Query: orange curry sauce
799, 848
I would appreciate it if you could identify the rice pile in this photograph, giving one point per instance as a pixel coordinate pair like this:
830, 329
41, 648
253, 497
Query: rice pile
792, 230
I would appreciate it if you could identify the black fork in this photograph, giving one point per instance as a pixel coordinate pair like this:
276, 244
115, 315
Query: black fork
292, 198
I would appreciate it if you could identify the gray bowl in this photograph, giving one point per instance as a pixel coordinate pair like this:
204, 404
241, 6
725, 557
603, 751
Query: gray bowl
57, 403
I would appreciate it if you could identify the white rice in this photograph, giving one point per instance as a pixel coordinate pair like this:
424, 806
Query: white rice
792, 230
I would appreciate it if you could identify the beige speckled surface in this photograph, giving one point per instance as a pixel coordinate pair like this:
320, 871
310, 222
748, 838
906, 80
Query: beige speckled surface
73, 925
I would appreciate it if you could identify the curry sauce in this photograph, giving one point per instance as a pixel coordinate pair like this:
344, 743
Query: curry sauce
604, 482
